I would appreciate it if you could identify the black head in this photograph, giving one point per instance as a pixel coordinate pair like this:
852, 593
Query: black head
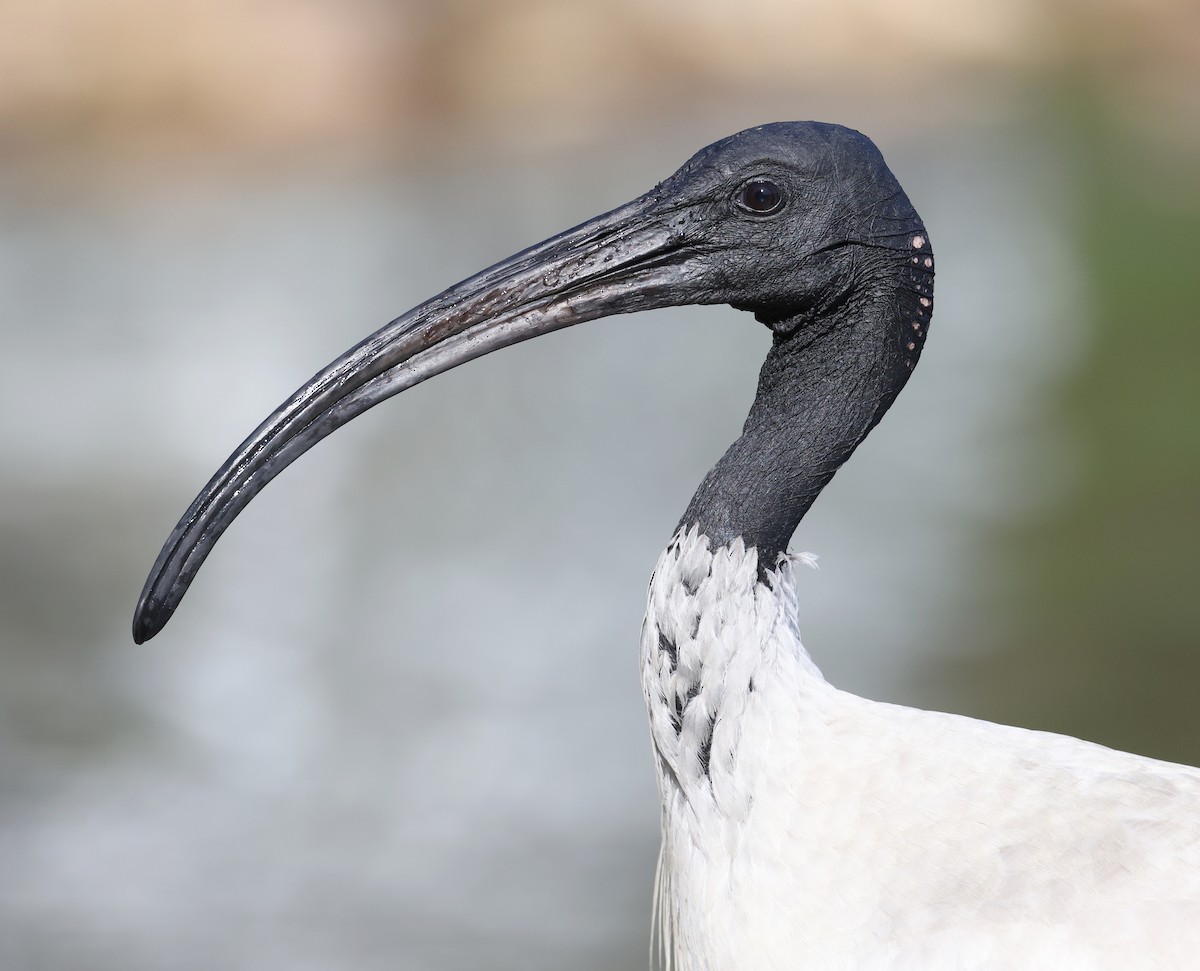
798, 215
800, 222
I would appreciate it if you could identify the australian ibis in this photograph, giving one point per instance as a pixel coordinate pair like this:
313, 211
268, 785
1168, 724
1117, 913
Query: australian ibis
802, 827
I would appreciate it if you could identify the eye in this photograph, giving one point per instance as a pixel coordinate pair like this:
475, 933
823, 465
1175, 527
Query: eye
760, 196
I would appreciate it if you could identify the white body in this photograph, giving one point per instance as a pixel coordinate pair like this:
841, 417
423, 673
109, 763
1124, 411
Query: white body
833, 832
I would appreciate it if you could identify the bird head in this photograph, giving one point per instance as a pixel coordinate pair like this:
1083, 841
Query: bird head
786, 220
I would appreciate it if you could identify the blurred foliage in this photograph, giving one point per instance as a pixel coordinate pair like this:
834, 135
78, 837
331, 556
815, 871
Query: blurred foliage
1101, 630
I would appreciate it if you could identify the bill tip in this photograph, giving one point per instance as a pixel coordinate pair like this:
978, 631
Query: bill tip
149, 618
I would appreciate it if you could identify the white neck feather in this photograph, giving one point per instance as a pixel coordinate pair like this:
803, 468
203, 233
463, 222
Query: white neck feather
804, 826
721, 660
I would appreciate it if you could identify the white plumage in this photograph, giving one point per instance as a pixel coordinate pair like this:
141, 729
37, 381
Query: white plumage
804, 827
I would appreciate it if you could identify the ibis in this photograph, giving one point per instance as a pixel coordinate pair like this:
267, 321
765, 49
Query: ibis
802, 826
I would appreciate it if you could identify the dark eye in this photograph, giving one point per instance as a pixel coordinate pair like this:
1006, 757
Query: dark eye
760, 196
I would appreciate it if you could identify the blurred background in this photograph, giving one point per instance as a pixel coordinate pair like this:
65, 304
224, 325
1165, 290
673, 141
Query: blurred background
397, 723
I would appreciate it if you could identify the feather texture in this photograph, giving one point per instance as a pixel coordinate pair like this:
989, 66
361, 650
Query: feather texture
806, 827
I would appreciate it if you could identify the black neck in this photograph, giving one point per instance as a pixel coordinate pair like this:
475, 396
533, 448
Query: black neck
827, 380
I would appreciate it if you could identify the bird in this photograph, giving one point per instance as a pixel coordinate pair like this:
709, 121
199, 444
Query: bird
802, 826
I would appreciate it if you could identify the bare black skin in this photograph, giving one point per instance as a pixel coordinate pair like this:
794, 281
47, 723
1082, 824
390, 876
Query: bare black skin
801, 223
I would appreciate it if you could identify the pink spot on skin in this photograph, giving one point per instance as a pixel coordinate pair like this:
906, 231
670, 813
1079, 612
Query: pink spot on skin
928, 261
924, 301
918, 242
916, 326
912, 346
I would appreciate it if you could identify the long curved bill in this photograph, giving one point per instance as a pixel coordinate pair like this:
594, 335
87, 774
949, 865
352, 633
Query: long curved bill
628, 259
